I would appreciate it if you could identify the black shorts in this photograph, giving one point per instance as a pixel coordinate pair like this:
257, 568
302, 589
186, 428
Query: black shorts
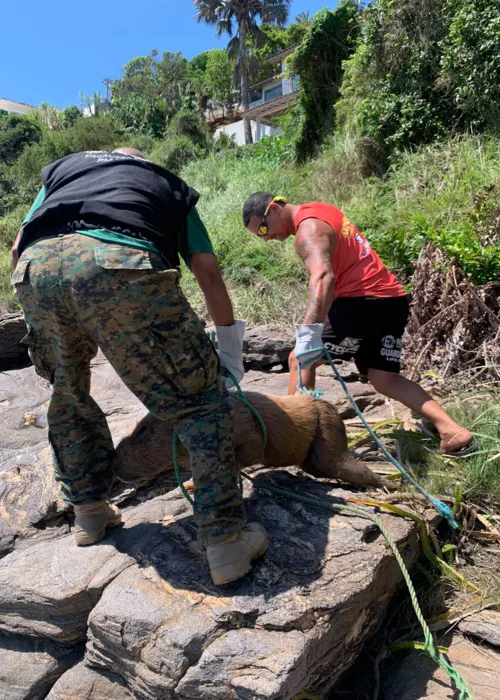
368, 329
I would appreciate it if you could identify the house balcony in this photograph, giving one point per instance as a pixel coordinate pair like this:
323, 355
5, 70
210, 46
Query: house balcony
277, 97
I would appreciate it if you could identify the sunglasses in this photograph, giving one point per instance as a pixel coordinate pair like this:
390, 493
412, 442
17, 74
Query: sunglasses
262, 230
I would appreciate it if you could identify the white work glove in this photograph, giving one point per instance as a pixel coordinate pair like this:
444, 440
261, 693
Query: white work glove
230, 342
308, 343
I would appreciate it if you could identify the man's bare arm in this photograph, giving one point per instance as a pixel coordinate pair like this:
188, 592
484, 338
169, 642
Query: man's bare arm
205, 268
13, 252
315, 243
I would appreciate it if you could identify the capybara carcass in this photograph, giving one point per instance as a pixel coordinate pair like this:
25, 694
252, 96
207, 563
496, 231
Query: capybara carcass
301, 431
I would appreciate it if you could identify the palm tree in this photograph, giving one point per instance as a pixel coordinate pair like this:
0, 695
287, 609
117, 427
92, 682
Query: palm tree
304, 19
242, 15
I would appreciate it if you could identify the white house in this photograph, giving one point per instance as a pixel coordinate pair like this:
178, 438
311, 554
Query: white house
268, 98
15, 107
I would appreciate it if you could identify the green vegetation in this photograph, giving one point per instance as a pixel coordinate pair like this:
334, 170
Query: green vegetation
329, 41
446, 192
434, 193
423, 70
479, 473
390, 128
403, 135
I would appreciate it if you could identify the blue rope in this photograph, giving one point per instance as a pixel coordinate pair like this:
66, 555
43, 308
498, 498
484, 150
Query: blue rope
441, 507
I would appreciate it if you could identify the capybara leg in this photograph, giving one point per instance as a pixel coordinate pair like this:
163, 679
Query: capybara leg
326, 462
355, 472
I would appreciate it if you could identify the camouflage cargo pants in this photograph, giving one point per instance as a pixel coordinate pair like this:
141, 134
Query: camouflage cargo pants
78, 294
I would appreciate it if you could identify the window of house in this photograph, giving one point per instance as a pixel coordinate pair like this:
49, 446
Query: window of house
273, 92
255, 95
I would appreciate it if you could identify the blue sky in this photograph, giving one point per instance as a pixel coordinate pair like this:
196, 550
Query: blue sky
51, 51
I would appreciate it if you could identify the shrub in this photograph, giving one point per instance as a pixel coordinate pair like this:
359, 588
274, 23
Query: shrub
328, 42
189, 124
16, 132
175, 152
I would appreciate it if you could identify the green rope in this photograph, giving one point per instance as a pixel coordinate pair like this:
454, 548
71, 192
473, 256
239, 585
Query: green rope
441, 507
430, 647
241, 396
461, 684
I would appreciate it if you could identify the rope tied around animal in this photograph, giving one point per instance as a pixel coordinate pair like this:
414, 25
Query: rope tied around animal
443, 510
461, 684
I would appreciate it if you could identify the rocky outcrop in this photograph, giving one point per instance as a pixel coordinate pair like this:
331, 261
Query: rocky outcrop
48, 590
143, 601
152, 617
29, 667
29, 497
484, 626
13, 353
417, 676
85, 683
267, 345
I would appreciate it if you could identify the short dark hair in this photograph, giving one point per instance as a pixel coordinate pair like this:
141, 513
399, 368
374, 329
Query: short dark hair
256, 205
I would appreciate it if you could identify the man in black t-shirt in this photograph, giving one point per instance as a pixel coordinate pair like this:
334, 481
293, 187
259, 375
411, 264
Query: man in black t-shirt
98, 268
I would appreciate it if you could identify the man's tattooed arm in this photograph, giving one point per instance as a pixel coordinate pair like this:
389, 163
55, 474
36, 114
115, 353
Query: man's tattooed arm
315, 242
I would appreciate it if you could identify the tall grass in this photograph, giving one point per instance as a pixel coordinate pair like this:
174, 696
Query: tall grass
480, 411
5, 273
429, 189
478, 473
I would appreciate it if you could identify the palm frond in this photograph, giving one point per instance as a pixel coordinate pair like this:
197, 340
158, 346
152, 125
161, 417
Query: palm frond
233, 48
258, 35
275, 11
225, 26
253, 67
208, 11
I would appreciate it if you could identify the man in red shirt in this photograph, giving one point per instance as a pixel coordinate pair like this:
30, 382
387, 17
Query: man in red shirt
356, 307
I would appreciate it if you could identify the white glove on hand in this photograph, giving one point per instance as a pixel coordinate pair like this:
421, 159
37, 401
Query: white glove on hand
230, 342
308, 343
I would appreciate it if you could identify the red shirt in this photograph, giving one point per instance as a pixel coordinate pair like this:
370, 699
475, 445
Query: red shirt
358, 270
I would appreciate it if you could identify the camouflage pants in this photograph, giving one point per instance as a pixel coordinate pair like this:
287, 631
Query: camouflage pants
78, 294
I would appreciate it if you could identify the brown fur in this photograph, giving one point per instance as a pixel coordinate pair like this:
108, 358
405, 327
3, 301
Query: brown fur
300, 431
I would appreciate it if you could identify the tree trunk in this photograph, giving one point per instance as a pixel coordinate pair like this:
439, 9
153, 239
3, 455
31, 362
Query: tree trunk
245, 102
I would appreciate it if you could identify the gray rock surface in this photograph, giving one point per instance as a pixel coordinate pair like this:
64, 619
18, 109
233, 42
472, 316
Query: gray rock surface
267, 345
13, 353
30, 667
309, 604
347, 370
84, 683
418, 678
484, 626
49, 589
29, 495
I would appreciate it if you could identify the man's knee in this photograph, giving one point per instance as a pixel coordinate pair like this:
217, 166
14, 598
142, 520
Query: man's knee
293, 364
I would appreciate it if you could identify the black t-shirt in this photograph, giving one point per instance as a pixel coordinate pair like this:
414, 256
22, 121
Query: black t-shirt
97, 189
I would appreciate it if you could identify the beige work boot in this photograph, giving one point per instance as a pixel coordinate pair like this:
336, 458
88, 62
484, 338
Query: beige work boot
232, 559
91, 520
